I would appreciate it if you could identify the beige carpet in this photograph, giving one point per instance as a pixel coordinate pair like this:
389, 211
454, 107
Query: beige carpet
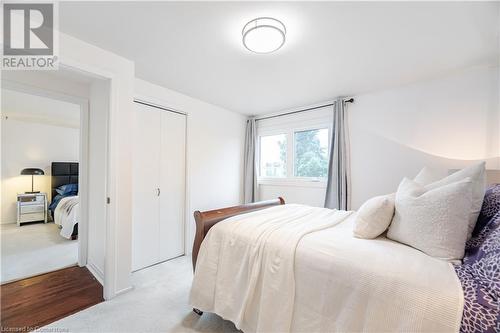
34, 249
158, 303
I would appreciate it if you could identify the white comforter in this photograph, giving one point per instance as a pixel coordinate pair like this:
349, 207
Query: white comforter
298, 268
66, 215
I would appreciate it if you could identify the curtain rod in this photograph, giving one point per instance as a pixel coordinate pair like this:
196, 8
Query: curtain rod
350, 100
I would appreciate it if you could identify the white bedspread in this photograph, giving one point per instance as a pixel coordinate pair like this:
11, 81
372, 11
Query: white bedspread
298, 268
66, 215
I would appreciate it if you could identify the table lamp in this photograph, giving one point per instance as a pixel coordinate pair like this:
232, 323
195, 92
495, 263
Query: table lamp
32, 172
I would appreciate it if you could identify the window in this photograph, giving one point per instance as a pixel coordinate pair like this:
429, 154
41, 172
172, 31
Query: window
311, 153
293, 150
273, 155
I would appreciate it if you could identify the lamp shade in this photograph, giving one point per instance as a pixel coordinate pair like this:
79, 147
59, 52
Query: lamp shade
32, 171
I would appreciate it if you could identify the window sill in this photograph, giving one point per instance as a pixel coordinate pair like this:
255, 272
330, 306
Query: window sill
292, 182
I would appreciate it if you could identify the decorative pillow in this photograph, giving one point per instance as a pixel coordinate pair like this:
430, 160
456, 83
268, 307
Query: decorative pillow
374, 216
477, 174
67, 189
435, 220
427, 176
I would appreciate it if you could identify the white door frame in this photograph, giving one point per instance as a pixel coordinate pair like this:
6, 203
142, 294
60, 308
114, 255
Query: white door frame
110, 253
83, 155
110, 259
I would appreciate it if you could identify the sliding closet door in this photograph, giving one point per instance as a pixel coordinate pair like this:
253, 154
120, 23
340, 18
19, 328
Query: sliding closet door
146, 174
172, 184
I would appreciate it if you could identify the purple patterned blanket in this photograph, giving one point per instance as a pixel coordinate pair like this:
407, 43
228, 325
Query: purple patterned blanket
480, 271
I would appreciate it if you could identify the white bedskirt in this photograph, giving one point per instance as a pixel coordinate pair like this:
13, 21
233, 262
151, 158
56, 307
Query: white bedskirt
298, 268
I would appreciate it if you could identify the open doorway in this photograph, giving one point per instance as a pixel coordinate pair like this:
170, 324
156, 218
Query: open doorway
90, 93
41, 149
73, 191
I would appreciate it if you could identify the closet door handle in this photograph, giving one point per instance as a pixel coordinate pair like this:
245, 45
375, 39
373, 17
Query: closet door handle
158, 192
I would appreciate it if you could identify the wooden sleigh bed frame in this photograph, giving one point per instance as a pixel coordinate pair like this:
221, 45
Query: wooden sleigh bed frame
206, 220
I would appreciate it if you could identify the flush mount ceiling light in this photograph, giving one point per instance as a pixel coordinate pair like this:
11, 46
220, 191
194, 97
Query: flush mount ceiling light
264, 35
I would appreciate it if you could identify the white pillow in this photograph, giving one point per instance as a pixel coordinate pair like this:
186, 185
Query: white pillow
477, 174
427, 176
435, 220
374, 216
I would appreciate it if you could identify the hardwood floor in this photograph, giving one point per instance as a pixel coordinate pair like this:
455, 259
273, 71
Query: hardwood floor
37, 301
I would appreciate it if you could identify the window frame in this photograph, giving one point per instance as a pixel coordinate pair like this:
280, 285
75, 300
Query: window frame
289, 130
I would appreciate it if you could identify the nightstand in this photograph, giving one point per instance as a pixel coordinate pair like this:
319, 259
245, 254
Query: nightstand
31, 207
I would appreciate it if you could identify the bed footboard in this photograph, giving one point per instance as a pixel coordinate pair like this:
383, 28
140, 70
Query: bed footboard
206, 220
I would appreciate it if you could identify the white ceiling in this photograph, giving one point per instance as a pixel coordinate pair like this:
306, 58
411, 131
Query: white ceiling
28, 107
332, 48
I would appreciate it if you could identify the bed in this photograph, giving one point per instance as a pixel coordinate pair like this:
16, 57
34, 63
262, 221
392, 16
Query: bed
339, 283
479, 273
64, 205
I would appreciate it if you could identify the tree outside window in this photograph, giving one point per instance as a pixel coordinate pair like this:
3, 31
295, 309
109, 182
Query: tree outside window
311, 153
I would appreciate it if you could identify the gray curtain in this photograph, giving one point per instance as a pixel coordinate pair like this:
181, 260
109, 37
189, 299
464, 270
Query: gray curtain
249, 169
338, 191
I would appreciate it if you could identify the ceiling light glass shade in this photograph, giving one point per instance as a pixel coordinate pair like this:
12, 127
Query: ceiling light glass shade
264, 35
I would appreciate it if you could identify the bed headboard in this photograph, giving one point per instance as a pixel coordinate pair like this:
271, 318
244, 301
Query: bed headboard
63, 173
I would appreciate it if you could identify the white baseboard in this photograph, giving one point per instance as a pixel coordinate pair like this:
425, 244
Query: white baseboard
99, 275
123, 291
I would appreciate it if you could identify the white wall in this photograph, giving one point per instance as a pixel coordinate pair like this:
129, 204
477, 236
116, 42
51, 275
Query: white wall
27, 106
312, 195
29, 144
215, 140
445, 123
50, 80
119, 74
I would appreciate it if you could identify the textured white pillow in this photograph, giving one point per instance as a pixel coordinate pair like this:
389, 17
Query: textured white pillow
427, 176
477, 174
434, 221
374, 216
